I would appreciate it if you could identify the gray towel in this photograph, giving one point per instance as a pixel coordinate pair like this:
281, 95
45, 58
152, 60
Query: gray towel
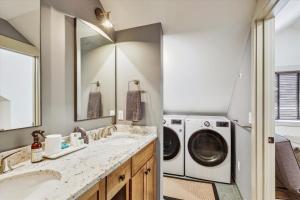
134, 106
94, 105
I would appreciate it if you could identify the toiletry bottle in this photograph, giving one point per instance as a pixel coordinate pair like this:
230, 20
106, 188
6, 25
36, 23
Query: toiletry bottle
37, 147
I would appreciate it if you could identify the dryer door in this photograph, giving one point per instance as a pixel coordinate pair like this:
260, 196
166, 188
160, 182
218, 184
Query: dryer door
207, 147
171, 144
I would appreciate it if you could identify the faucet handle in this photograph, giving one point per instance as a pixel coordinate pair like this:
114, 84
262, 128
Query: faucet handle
11, 154
3, 164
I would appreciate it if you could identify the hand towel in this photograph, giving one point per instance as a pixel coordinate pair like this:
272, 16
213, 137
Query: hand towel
94, 105
134, 106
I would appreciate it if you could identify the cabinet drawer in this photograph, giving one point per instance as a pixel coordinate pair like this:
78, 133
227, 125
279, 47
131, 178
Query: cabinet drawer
97, 192
140, 159
118, 179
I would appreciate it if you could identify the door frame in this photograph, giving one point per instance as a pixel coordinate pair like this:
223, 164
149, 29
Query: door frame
262, 98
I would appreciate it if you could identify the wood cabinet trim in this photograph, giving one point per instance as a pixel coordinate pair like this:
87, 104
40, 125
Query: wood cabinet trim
98, 189
141, 158
118, 179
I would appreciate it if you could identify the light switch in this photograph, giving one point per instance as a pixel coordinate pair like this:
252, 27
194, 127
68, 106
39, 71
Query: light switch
120, 115
250, 118
239, 165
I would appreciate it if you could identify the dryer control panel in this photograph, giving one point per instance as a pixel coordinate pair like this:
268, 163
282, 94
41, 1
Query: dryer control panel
222, 124
176, 121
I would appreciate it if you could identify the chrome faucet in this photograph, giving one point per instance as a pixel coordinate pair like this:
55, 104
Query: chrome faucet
3, 164
112, 127
107, 131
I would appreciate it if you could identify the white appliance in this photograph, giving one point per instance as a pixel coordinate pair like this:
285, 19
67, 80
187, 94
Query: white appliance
208, 148
173, 145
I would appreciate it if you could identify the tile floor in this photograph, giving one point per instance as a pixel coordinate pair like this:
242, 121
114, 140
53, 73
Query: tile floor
228, 192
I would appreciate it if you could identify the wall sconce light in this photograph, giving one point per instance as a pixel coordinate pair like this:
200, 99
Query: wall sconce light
103, 17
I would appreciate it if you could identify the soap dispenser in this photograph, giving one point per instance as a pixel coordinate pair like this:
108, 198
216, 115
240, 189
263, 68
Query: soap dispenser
37, 147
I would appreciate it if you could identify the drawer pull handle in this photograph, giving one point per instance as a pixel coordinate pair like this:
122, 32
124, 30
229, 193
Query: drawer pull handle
122, 178
147, 171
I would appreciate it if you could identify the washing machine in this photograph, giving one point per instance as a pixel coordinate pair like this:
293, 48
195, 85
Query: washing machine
208, 148
173, 145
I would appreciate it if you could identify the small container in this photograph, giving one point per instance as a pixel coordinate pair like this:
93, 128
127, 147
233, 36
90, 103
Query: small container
74, 139
53, 144
37, 147
81, 142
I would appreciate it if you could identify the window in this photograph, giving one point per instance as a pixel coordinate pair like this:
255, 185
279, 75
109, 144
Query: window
287, 96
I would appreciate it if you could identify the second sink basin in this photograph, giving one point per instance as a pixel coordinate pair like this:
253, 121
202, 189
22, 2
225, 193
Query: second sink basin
122, 138
27, 186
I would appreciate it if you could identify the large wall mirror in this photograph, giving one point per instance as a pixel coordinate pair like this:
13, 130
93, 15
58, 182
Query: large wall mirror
19, 64
95, 73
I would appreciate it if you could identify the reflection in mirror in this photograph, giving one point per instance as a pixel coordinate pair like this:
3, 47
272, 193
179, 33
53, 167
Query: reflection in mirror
95, 73
19, 64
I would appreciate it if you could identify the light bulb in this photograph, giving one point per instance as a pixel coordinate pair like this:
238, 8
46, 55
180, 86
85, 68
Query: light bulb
106, 23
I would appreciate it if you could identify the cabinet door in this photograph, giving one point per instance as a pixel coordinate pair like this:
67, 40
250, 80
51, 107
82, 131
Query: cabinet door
97, 192
138, 185
151, 179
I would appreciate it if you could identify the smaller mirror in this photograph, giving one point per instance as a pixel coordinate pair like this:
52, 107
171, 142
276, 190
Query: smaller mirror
95, 73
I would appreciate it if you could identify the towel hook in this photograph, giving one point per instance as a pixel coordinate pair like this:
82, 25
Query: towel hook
136, 82
97, 83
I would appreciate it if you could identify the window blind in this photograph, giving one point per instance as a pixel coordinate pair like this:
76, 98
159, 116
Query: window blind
287, 96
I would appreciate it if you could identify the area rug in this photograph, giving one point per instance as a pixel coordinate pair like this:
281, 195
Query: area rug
179, 189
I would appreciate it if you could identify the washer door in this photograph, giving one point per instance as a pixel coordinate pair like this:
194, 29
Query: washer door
171, 144
207, 147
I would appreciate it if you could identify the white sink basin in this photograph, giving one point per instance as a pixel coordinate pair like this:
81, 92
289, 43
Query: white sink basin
122, 138
28, 186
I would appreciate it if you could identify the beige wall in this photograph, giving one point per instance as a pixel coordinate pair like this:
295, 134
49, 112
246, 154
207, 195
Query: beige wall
139, 56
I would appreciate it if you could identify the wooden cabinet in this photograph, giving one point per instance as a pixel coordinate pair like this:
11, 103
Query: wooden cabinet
119, 179
97, 192
142, 157
138, 183
151, 179
134, 180
143, 183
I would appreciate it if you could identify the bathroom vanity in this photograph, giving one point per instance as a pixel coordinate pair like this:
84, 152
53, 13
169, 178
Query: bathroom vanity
134, 179
121, 166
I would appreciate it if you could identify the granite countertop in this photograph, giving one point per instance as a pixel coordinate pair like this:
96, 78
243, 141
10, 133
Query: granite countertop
82, 169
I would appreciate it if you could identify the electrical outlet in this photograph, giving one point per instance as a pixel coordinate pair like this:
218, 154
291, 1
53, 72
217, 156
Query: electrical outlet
240, 75
120, 115
250, 118
112, 113
239, 165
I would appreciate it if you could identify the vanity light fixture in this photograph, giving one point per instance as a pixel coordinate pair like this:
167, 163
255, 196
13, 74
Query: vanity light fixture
104, 17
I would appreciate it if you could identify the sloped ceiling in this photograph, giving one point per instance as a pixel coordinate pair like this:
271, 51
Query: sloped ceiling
24, 16
289, 16
204, 43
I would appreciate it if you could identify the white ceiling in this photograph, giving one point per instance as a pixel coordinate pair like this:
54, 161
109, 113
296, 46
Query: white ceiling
178, 15
204, 45
289, 16
13, 8
24, 16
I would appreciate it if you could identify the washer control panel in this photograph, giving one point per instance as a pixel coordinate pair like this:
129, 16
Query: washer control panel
207, 123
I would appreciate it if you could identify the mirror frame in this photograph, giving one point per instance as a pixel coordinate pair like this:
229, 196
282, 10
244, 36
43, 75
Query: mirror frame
17, 46
76, 73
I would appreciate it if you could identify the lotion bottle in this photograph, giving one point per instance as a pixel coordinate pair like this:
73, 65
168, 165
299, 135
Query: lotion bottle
37, 147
